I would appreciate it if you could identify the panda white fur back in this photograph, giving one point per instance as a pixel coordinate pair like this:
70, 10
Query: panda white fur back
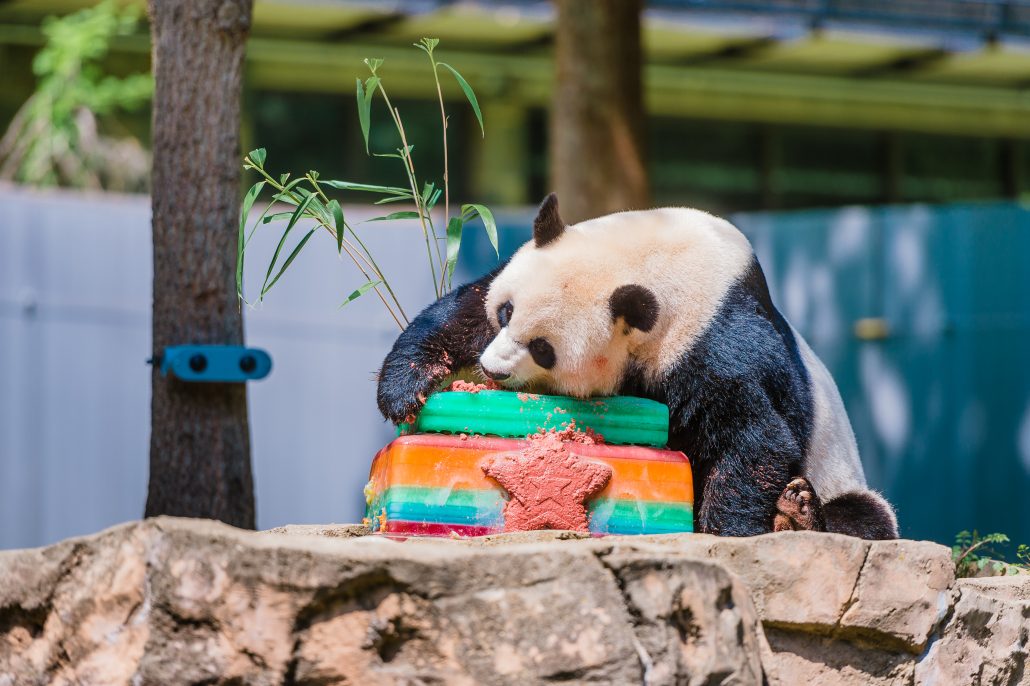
669, 304
836, 467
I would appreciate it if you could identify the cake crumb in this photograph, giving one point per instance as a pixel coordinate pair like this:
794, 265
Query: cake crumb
473, 387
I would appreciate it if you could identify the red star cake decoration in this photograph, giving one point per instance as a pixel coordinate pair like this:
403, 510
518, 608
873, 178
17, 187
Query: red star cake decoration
548, 485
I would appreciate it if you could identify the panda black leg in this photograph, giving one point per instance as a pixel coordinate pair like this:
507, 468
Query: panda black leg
864, 514
799, 508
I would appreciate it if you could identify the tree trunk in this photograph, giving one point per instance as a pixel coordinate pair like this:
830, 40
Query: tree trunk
199, 437
597, 122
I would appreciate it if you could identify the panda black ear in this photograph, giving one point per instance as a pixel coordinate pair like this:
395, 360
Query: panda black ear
548, 225
637, 306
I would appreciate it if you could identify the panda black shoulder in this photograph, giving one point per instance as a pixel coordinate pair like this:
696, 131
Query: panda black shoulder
745, 365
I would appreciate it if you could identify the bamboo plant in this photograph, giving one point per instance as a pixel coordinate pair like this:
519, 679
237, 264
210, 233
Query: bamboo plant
312, 198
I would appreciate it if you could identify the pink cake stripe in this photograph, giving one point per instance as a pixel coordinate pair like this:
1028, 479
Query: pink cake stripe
395, 526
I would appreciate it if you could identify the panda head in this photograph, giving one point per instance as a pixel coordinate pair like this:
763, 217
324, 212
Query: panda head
577, 305
564, 320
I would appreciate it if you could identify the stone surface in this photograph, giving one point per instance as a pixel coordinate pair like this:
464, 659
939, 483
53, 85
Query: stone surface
694, 623
903, 592
805, 658
987, 637
331, 530
172, 601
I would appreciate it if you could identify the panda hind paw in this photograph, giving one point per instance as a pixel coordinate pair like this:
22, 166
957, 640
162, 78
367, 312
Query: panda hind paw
799, 508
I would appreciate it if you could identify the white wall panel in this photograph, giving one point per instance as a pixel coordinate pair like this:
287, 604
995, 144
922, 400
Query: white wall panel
75, 273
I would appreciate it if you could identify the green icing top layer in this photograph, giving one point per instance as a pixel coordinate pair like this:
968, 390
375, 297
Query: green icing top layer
620, 419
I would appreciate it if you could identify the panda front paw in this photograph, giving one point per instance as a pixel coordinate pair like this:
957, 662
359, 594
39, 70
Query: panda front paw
405, 383
401, 399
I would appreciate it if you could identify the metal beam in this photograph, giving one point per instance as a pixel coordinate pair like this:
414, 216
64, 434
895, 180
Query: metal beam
673, 90
692, 91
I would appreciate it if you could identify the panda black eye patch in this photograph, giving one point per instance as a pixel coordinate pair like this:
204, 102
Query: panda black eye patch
542, 352
504, 313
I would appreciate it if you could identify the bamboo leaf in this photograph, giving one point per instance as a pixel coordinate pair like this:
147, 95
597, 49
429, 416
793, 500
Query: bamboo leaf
488, 223
400, 198
256, 224
364, 94
248, 202
348, 186
363, 114
258, 157
454, 227
297, 214
469, 93
431, 203
284, 195
360, 291
407, 214
338, 222
316, 209
276, 217
296, 251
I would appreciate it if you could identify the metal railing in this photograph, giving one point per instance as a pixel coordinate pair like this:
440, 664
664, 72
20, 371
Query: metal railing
989, 18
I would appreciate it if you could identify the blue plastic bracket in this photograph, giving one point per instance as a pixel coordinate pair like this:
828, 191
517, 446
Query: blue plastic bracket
215, 363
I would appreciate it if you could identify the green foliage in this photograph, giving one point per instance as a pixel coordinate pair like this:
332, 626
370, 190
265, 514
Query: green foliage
365, 93
357, 293
53, 138
467, 89
973, 552
308, 196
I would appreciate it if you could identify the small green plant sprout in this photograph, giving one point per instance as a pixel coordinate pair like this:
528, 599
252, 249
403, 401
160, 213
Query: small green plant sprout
55, 137
310, 197
972, 553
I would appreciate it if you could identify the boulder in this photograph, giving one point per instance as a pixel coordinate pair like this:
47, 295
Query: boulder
175, 601
987, 637
172, 601
902, 595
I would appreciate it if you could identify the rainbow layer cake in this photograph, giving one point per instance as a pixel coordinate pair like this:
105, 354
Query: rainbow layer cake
569, 469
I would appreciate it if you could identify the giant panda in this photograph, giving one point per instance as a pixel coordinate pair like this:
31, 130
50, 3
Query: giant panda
669, 304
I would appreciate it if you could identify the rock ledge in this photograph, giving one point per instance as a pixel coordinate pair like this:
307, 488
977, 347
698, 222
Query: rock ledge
175, 601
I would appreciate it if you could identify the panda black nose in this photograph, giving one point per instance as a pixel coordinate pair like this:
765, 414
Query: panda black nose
496, 376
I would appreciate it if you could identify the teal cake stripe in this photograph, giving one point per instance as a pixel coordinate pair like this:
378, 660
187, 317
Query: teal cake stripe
442, 505
480, 507
609, 515
442, 514
437, 496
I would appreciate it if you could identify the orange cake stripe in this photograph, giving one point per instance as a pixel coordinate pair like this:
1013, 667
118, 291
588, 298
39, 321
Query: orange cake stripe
631, 478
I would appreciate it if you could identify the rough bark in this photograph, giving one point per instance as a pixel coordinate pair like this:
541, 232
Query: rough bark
597, 122
199, 441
